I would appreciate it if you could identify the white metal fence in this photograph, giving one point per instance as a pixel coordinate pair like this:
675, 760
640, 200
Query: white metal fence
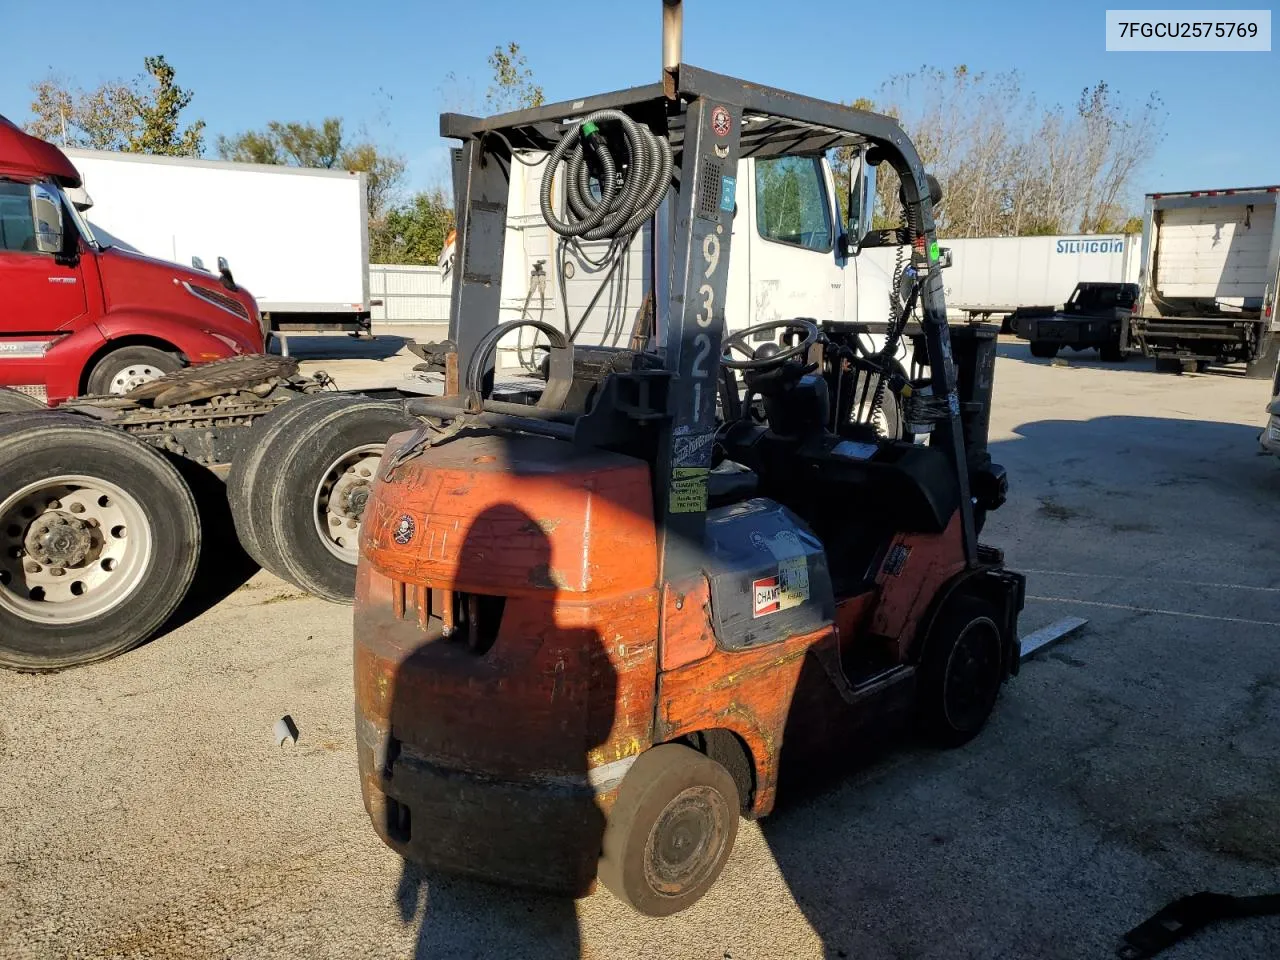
409, 293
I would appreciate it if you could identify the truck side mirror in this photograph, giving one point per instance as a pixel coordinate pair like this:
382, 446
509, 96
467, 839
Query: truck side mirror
46, 212
224, 272
944, 257
862, 204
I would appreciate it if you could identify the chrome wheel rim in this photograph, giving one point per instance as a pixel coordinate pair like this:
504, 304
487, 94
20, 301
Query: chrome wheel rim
72, 548
131, 376
340, 498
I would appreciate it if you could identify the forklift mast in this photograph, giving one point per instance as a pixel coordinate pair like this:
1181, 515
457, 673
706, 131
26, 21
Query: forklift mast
711, 122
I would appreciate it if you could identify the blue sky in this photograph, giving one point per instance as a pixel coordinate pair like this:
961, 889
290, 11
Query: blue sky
384, 65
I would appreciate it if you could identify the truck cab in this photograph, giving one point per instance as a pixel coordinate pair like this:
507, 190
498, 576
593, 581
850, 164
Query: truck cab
798, 256
78, 316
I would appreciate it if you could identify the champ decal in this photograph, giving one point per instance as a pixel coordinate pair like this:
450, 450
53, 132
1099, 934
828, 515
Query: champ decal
789, 588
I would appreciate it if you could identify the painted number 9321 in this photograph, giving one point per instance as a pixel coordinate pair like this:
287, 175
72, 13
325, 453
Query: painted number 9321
704, 317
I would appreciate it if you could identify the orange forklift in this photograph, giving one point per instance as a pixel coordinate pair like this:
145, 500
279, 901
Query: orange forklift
593, 630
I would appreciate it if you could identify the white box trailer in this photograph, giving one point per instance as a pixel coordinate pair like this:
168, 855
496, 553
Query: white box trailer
993, 276
1210, 269
296, 238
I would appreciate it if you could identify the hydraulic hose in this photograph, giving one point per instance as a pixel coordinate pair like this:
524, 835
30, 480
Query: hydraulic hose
632, 186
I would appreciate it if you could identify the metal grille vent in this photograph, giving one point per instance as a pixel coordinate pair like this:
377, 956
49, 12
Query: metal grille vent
711, 185
219, 299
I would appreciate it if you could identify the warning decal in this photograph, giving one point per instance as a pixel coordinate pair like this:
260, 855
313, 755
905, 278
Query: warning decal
789, 588
688, 490
721, 122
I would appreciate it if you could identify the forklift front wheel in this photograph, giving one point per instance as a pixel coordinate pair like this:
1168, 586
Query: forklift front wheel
670, 831
962, 672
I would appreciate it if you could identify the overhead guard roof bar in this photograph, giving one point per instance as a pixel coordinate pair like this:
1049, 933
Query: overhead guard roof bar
776, 121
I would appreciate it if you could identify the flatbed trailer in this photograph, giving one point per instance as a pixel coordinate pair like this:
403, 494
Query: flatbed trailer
1093, 318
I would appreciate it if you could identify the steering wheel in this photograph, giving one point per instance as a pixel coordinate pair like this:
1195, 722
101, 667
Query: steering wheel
738, 341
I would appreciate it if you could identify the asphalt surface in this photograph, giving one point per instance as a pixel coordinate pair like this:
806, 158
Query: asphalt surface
146, 812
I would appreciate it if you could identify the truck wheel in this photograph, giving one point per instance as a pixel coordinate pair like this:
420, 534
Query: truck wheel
670, 831
121, 370
1043, 350
99, 539
307, 510
961, 673
1168, 365
248, 483
1111, 353
14, 401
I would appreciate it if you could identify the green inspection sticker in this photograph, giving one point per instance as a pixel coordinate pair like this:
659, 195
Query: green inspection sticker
688, 490
933, 252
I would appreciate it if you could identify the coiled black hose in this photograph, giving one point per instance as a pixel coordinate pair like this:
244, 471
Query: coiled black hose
631, 186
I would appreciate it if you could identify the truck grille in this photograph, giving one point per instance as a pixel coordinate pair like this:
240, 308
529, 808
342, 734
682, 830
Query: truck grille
219, 299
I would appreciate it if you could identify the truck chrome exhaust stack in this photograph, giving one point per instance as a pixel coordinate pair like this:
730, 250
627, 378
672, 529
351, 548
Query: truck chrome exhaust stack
672, 42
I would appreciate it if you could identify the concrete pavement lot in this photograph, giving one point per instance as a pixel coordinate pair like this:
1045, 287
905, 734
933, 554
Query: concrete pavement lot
145, 811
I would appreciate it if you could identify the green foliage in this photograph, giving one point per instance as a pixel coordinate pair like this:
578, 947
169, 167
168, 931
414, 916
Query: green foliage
159, 130
136, 116
512, 87
414, 232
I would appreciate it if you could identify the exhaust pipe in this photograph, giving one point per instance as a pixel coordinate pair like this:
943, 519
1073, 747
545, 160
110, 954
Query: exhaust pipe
672, 43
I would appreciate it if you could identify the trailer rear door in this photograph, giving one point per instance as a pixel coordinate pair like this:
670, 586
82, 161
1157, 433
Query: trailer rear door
1215, 252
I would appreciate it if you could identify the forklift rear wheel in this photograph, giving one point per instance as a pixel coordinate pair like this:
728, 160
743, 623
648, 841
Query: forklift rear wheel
12, 401
94, 557
121, 370
1045, 351
670, 831
962, 672
312, 504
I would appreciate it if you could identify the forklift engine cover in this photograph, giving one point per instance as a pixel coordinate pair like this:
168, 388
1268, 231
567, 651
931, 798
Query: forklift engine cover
768, 575
551, 617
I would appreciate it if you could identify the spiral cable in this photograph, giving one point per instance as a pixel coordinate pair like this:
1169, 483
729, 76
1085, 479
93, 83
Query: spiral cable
632, 185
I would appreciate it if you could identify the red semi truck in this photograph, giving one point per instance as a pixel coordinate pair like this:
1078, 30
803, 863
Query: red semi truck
80, 317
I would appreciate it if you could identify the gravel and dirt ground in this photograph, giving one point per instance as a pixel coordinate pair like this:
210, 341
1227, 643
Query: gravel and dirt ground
146, 812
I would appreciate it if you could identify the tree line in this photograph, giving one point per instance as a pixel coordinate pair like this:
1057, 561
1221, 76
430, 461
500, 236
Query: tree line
1009, 165
145, 115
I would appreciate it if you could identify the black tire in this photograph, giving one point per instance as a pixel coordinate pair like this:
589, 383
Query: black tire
1168, 365
35, 447
1043, 350
962, 671
247, 483
317, 441
117, 369
11, 401
1111, 353
672, 797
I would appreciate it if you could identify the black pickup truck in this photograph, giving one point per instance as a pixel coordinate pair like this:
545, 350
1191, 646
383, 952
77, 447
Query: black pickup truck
1094, 316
